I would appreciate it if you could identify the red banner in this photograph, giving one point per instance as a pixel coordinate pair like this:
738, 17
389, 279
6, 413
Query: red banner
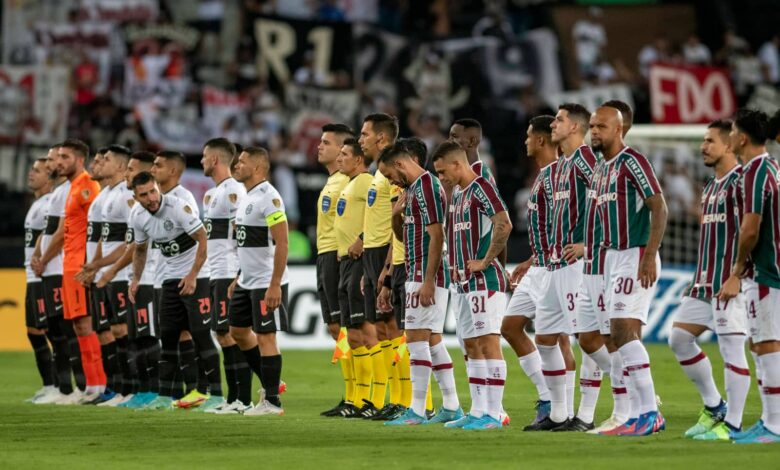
690, 94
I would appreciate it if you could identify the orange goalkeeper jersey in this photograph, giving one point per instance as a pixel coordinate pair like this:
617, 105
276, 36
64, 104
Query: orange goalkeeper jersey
83, 191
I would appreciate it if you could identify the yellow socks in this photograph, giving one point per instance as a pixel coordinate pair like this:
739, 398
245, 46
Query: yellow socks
403, 369
379, 380
348, 372
363, 373
393, 378
429, 399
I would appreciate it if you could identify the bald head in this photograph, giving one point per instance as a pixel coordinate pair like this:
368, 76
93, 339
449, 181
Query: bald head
606, 130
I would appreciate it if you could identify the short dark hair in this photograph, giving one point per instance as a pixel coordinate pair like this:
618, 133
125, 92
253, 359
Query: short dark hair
469, 123
773, 127
625, 110
754, 123
101, 150
223, 145
723, 127
141, 178
143, 156
338, 128
541, 125
255, 152
357, 150
577, 112
76, 145
384, 123
120, 150
173, 155
416, 148
391, 152
445, 148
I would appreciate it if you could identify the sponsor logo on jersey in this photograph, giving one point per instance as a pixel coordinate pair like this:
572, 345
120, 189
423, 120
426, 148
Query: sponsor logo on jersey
325, 206
713, 218
371, 197
341, 206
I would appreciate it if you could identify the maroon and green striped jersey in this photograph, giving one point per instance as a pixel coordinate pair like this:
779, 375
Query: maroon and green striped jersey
473, 232
625, 182
424, 206
721, 205
482, 170
761, 195
572, 180
593, 259
539, 213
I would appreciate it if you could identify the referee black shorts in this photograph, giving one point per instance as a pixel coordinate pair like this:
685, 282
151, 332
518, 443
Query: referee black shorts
328, 286
35, 306
373, 264
399, 295
350, 297
185, 312
247, 309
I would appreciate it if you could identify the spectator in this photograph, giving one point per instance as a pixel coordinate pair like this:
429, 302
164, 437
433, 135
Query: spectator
590, 38
733, 46
329, 11
694, 52
658, 51
678, 189
747, 72
769, 55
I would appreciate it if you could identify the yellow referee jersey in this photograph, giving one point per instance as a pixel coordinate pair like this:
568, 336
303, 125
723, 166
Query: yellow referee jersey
326, 212
350, 212
379, 210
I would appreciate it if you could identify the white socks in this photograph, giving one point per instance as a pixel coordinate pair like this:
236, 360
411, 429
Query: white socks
695, 364
478, 387
496, 378
532, 366
554, 371
590, 383
622, 406
637, 362
770, 364
571, 378
442, 371
420, 365
736, 376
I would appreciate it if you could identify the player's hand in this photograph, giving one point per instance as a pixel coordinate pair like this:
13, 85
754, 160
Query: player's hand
356, 250
476, 265
132, 290
400, 204
647, 271
37, 266
362, 288
381, 281
426, 294
187, 284
730, 288
383, 300
107, 277
573, 252
520, 271
273, 297
232, 288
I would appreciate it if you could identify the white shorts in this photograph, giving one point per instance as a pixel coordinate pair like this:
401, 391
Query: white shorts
720, 317
464, 327
487, 311
763, 311
623, 293
592, 312
558, 300
425, 318
526, 295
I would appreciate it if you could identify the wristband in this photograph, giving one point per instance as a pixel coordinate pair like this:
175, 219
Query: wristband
387, 282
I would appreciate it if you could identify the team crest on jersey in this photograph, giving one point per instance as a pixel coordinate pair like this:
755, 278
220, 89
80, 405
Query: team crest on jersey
277, 203
130, 202
168, 225
721, 196
340, 206
206, 200
371, 197
233, 197
325, 207
85, 193
248, 209
613, 175
187, 209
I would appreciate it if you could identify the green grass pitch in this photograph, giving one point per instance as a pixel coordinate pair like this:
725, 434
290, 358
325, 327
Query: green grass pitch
89, 437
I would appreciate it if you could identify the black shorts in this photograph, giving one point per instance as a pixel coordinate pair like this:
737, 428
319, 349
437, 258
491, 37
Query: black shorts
141, 317
185, 312
219, 305
247, 308
373, 264
116, 294
350, 298
99, 309
328, 286
399, 295
52, 295
35, 306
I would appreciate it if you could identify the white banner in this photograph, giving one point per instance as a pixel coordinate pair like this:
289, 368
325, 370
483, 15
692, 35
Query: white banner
35, 103
307, 330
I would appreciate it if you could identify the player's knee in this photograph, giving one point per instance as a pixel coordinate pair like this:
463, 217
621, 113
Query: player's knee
225, 340
34, 331
119, 330
682, 342
185, 336
732, 349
